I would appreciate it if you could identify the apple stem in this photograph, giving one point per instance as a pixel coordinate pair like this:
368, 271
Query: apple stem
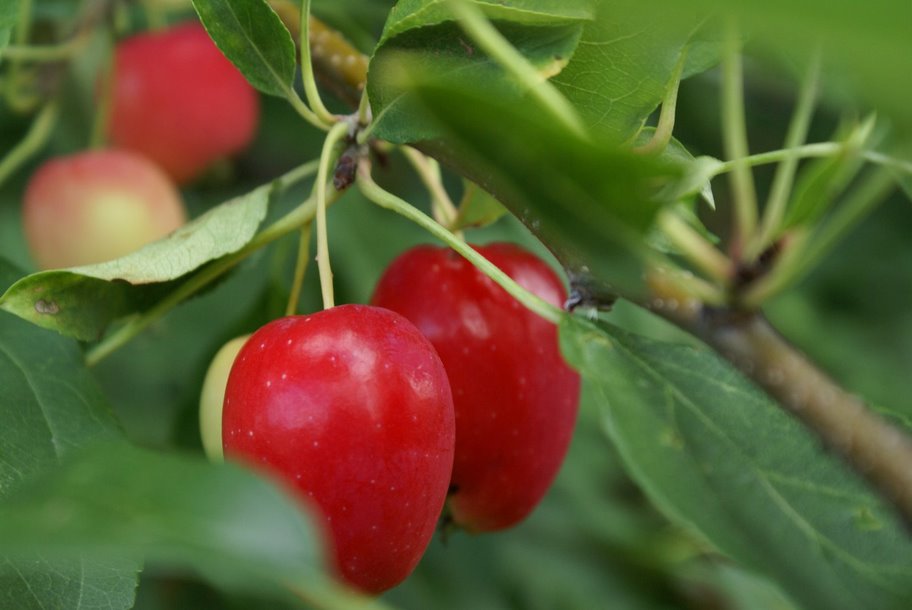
338, 132
33, 141
300, 270
387, 200
103, 111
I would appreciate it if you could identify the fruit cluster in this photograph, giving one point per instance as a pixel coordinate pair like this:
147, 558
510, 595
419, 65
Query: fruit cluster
444, 391
176, 106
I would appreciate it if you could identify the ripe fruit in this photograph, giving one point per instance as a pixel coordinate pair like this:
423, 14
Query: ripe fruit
515, 397
352, 408
213, 396
96, 206
179, 101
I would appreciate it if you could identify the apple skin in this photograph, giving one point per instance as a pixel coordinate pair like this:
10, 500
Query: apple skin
96, 206
178, 100
212, 397
351, 408
516, 399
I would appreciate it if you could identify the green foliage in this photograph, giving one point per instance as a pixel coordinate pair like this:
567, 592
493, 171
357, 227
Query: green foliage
226, 524
754, 502
51, 407
253, 37
719, 456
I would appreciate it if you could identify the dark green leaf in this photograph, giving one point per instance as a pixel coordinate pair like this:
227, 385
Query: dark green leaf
477, 207
114, 501
715, 453
82, 301
253, 37
624, 63
50, 406
588, 199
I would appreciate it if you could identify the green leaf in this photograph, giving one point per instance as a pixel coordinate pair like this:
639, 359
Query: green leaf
478, 208
586, 199
230, 526
82, 301
9, 13
50, 406
624, 63
253, 37
421, 35
717, 454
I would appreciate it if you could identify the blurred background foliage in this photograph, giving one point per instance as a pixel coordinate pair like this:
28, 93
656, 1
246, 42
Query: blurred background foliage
595, 542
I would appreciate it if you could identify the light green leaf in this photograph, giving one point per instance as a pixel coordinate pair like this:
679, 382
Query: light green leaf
82, 301
623, 65
478, 208
717, 454
410, 15
253, 37
9, 12
421, 35
230, 526
49, 407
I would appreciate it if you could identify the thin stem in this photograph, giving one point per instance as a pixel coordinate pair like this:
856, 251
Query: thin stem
33, 141
819, 149
327, 156
300, 270
295, 219
809, 249
304, 111
47, 53
735, 140
774, 211
102, 116
492, 42
387, 200
307, 71
428, 169
364, 111
695, 248
887, 161
664, 128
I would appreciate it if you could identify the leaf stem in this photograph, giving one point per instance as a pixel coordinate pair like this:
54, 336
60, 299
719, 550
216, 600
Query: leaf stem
492, 42
47, 53
102, 118
307, 71
37, 135
327, 156
304, 110
387, 200
734, 131
300, 270
664, 128
774, 211
702, 254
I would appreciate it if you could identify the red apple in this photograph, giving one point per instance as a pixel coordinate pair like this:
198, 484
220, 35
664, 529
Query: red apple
96, 206
179, 101
516, 399
350, 407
